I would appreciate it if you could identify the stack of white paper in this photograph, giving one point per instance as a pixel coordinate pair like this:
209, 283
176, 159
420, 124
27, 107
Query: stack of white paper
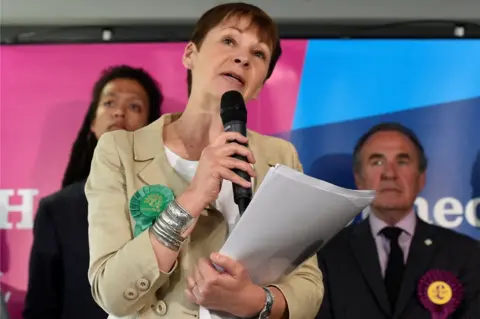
289, 219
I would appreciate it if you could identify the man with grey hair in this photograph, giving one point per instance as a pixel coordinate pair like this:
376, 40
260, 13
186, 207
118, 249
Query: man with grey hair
393, 264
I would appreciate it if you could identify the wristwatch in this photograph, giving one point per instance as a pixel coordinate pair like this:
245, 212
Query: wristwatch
267, 308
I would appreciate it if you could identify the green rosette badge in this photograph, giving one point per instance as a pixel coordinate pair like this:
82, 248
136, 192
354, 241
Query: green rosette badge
147, 204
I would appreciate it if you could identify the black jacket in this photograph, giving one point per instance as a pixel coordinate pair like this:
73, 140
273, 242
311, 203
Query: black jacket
58, 286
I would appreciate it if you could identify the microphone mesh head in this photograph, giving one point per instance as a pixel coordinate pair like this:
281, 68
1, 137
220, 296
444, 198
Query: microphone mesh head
232, 107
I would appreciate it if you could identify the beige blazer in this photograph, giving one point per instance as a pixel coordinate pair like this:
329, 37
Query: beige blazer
123, 271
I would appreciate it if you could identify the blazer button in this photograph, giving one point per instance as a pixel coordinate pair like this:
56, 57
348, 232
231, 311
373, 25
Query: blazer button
160, 308
143, 284
130, 294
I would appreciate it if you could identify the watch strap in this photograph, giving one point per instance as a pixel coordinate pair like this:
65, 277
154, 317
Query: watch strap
267, 308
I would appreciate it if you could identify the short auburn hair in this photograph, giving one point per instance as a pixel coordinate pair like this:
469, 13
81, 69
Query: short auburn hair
267, 29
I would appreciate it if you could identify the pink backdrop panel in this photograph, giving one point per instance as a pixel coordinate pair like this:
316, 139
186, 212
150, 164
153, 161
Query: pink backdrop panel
44, 95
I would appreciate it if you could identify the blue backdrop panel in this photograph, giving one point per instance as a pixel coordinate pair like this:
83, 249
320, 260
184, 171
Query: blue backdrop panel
431, 86
350, 79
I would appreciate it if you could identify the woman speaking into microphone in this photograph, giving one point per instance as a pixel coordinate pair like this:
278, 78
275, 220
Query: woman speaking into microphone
160, 198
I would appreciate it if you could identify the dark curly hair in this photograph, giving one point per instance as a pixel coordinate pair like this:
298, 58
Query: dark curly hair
81, 154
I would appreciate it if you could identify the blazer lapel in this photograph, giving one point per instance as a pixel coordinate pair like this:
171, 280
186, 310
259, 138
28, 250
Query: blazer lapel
263, 162
365, 252
419, 256
149, 149
155, 169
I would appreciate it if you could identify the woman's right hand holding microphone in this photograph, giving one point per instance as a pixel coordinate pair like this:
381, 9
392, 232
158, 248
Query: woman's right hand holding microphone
216, 164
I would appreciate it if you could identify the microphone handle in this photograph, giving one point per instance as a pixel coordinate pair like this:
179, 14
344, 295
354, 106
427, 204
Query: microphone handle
241, 195
242, 204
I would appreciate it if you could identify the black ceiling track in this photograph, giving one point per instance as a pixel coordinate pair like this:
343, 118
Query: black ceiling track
418, 29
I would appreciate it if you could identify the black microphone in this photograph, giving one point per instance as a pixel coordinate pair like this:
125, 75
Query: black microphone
234, 117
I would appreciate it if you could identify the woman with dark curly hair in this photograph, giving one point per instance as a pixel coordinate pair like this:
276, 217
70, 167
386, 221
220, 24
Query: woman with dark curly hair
123, 98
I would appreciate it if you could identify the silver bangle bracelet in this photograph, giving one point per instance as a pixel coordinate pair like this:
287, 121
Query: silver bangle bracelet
165, 240
166, 235
180, 215
170, 225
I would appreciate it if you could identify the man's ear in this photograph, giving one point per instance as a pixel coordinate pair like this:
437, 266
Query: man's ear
358, 180
421, 181
189, 55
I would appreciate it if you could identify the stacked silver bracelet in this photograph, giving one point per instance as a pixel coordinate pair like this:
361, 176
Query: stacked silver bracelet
171, 224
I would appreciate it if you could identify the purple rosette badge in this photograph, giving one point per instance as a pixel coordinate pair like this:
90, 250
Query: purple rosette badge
440, 292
